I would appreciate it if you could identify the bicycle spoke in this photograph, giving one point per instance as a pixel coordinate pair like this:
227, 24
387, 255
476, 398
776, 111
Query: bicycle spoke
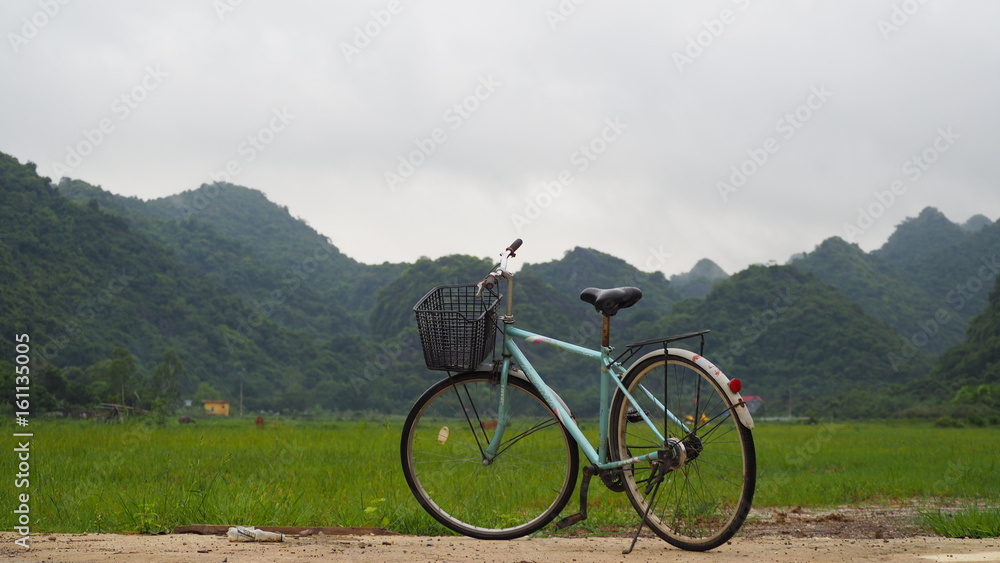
704, 498
538, 427
523, 487
465, 411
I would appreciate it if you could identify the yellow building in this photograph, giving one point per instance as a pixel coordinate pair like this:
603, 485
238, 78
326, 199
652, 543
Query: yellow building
216, 407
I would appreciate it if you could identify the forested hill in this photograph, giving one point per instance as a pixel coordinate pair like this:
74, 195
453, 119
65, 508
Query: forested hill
882, 291
926, 281
800, 344
954, 265
699, 281
976, 361
106, 306
224, 217
218, 291
967, 376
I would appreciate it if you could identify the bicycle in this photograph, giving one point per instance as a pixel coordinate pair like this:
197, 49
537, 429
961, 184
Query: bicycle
492, 452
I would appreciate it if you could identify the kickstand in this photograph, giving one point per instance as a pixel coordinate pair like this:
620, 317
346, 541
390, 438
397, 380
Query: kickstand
588, 472
641, 522
649, 505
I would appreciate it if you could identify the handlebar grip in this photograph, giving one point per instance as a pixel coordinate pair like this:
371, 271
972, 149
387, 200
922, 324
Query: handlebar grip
514, 246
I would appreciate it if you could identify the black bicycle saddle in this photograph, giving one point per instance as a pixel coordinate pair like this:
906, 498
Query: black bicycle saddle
608, 301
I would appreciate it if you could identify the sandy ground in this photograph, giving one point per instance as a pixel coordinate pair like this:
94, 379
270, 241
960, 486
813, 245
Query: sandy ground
195, 548
849, 534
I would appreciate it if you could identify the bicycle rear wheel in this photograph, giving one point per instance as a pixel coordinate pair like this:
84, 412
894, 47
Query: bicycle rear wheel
700, 496
524, 487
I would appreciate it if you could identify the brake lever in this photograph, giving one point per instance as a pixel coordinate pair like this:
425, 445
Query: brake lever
487, 283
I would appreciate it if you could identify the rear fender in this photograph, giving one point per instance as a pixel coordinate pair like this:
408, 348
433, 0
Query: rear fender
715, 373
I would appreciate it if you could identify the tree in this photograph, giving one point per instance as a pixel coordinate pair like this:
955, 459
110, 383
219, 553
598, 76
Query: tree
120, 371
165, 379
206, 392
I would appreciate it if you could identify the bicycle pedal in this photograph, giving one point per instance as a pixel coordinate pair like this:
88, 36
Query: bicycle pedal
570, 520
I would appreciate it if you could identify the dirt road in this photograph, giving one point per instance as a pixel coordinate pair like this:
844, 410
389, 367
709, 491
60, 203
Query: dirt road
776, 536
216, 549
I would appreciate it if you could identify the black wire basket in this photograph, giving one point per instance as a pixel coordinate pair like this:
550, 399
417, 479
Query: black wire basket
457, 328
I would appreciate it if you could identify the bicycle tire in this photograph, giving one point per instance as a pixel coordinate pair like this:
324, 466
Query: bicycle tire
702, 503
522, 490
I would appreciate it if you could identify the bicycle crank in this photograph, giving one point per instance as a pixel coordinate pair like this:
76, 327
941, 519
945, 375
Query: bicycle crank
614, 480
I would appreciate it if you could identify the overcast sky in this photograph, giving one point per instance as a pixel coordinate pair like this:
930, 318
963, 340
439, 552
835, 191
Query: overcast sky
659, 132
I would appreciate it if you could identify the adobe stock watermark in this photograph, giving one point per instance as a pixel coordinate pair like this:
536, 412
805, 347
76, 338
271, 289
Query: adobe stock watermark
955, 474
86, 311
22, 402
913, 170
563, 11
757, 325
248, 150
589, 330
696, 44
786, 127
135, 435
225, 7
455, 116
121, 108
292, 280
381, 363
803, 453
656, 259
31, 26
365, 34
581, 160
899, 17
254, 144
957, 299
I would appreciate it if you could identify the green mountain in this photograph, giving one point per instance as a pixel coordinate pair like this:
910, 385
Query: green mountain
797, 343
977, 360
956, 267
699, 281
393, 311
86, 288
218, 292
976, 223
918, 237
581, 268
286, 296
882, 291
926, 281
233, 234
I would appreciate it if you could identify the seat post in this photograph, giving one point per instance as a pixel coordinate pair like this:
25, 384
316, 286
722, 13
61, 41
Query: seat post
606, 332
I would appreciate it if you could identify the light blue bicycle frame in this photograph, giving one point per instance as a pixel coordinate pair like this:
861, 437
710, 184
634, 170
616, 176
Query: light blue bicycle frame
611, 371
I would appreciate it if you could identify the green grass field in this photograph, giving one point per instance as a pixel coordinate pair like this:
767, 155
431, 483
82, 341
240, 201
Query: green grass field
135, 476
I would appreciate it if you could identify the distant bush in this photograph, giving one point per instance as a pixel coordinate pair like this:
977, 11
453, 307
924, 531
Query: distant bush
948, 422
921, 411
976, 420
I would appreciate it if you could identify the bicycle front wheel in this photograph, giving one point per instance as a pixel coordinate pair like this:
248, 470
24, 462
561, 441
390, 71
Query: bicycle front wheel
520, 490
698, 496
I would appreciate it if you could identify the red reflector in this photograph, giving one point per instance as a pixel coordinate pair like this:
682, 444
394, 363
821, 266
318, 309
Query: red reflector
735, 385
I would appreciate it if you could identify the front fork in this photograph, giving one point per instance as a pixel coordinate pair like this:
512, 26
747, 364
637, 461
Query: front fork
503, 414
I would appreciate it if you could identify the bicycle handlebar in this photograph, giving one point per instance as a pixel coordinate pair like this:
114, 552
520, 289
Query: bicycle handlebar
491, 279
514, 246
